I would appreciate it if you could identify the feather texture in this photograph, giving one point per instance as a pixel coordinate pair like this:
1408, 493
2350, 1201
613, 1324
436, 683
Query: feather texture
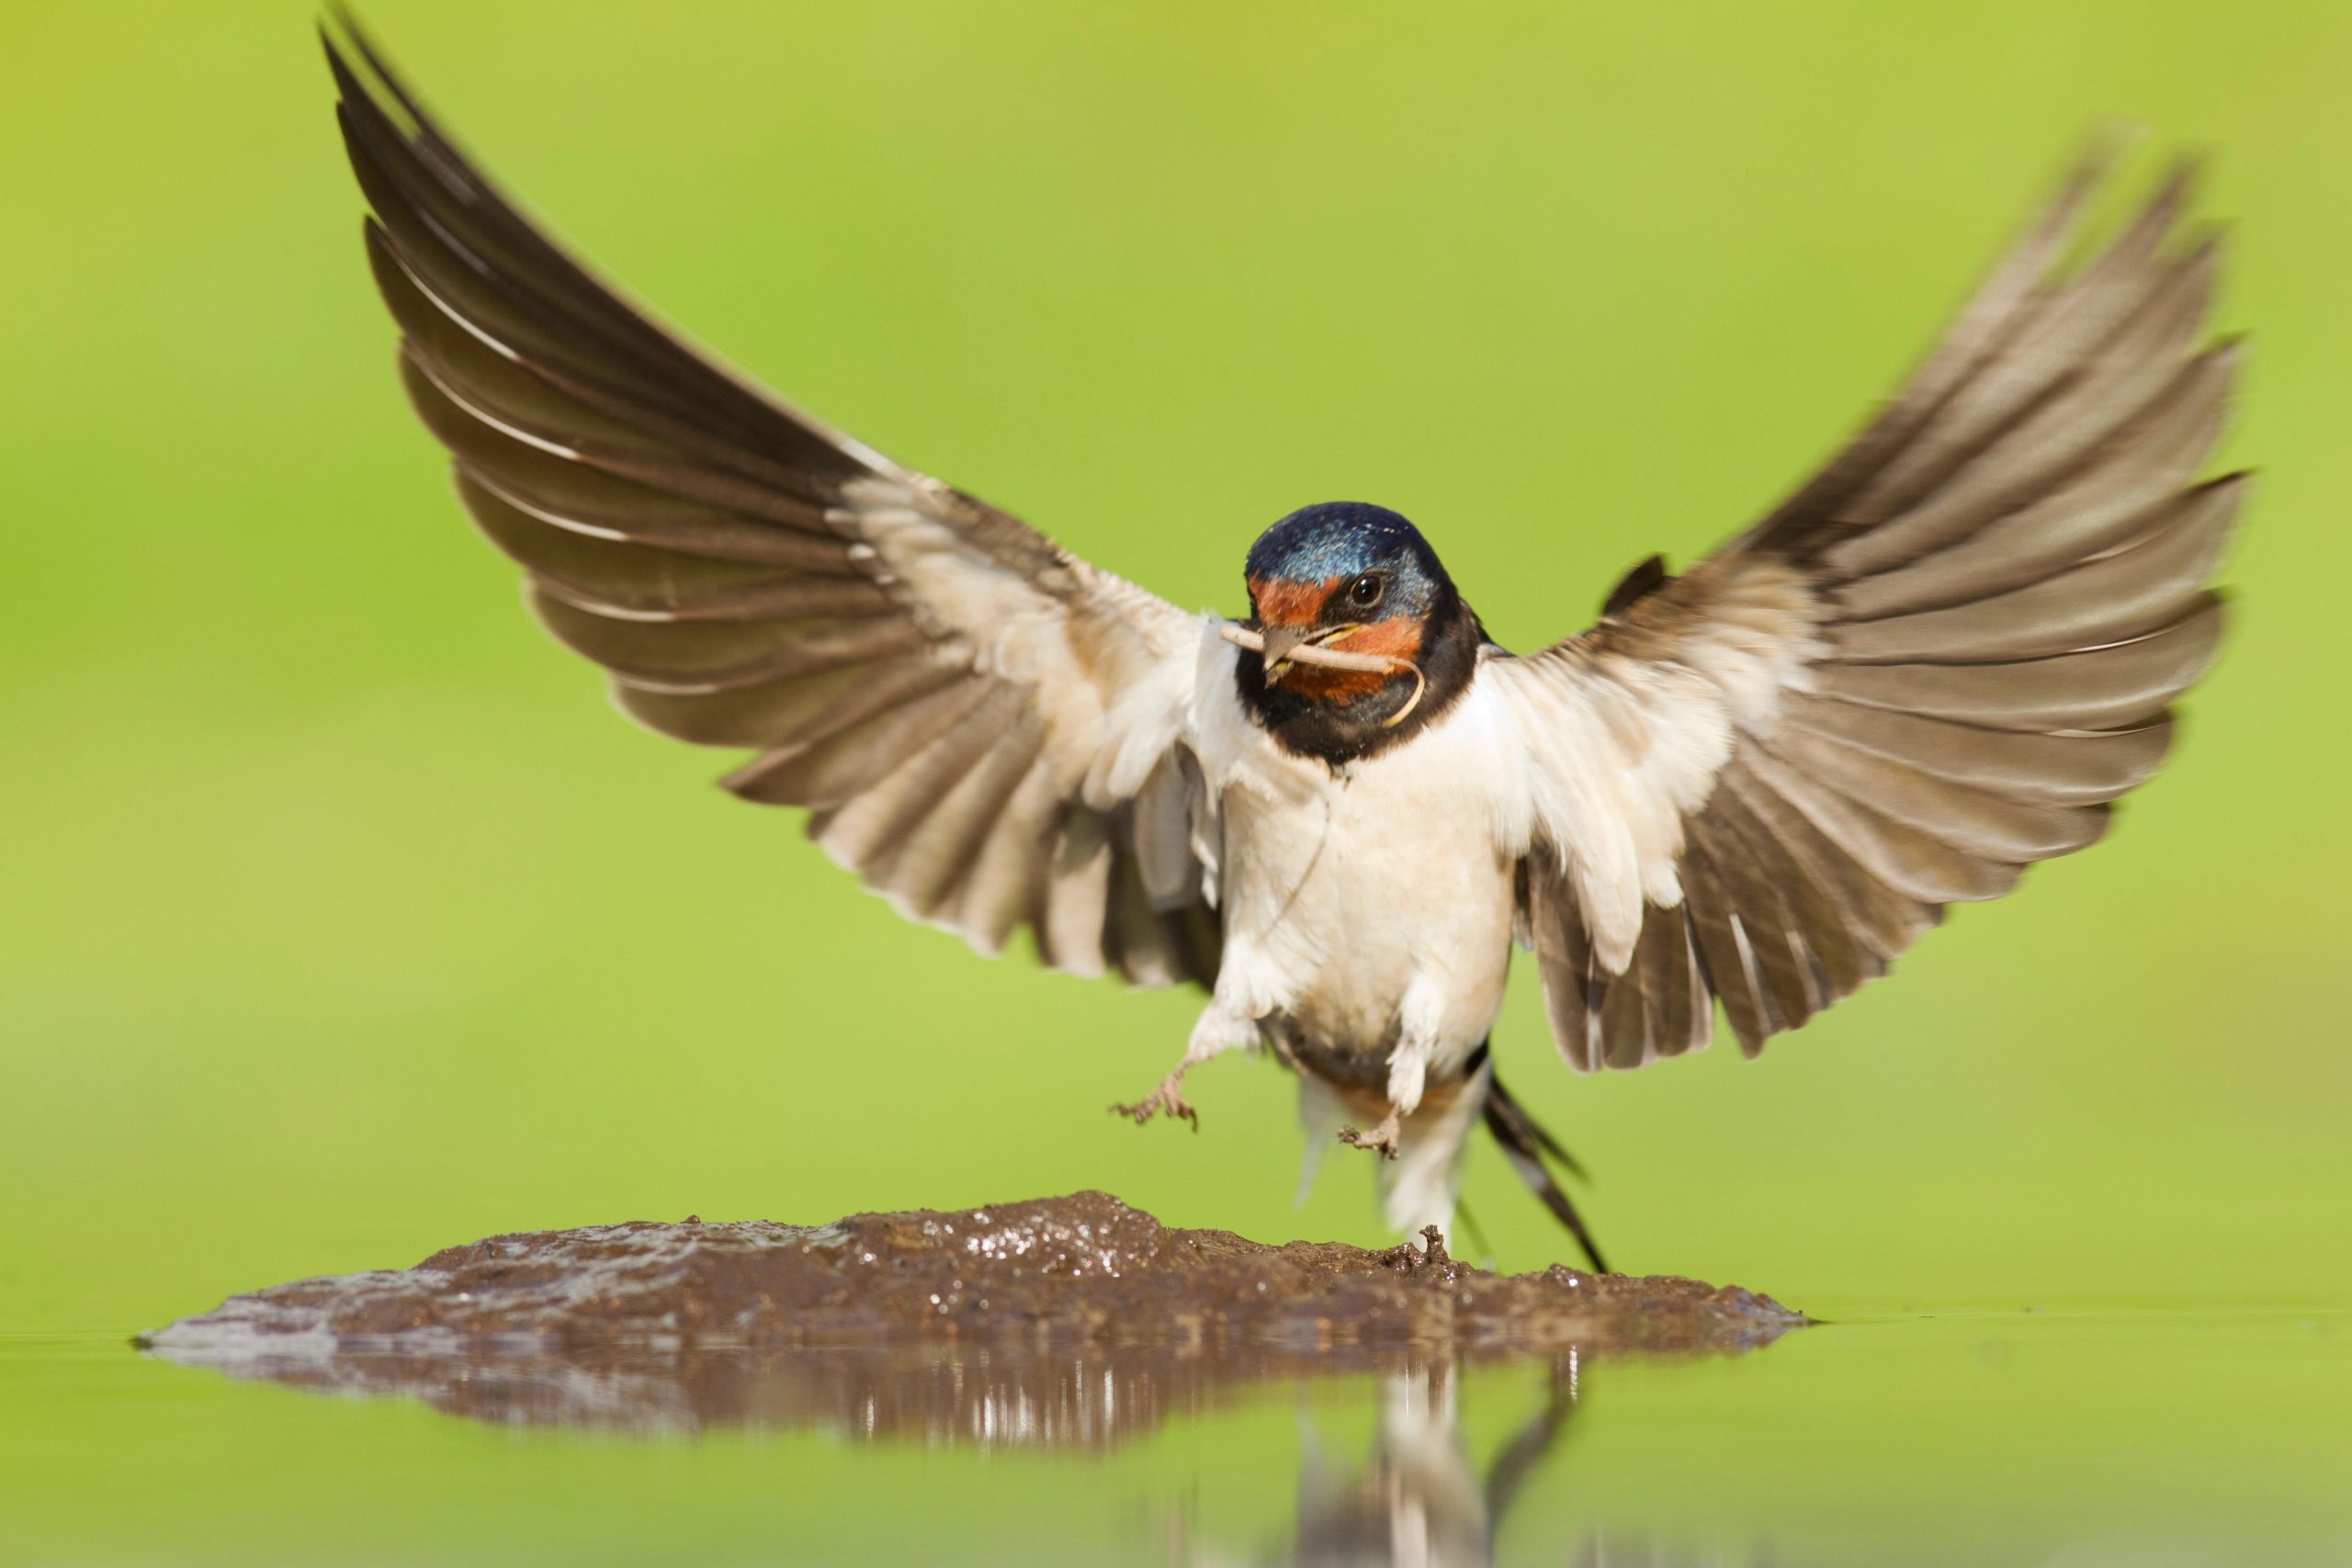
967, 710
1940, 660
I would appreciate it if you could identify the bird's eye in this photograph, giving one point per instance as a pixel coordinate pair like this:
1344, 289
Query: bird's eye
1365, 590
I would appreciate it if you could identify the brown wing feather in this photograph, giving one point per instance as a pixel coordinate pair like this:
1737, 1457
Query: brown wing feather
948, 691
1985, 606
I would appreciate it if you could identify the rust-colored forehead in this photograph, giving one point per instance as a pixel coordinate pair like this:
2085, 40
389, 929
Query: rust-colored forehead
1281, 603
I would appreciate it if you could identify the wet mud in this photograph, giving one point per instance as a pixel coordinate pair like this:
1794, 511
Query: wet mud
1074, 1322
1055, 1273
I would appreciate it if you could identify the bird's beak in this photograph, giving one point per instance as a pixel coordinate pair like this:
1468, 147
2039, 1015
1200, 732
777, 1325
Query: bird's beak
1279, 641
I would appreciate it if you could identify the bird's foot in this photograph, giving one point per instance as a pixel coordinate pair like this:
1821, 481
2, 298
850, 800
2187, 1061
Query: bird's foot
1162, 1101
1381, 1138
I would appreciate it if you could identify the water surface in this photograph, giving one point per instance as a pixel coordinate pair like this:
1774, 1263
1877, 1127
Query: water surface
2076, 1437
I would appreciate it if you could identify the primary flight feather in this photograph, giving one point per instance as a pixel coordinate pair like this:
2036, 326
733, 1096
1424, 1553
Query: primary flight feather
1749, 785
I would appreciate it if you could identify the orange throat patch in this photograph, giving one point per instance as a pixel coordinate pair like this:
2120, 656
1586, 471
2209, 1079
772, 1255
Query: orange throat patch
1397, 638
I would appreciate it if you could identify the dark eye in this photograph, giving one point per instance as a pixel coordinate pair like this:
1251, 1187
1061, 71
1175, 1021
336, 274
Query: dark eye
1365, 590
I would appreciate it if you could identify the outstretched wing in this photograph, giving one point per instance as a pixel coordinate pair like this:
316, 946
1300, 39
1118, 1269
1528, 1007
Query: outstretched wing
1935, 663
986, 730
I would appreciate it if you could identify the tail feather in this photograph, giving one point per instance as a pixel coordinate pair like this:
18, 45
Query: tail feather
1421, 1185
1525, 1142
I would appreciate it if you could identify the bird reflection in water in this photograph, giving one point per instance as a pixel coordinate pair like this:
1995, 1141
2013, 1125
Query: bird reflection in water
1418, 1499
1417, 1496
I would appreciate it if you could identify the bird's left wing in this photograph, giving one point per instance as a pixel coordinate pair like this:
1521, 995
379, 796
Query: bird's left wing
987, 729
1938, 662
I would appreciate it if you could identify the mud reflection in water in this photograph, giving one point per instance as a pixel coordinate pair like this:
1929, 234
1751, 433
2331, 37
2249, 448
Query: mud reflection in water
1415, 1495
1073, 1323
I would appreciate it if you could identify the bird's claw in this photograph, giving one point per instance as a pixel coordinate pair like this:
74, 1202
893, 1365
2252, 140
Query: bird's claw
1382, 1139
1161, 1101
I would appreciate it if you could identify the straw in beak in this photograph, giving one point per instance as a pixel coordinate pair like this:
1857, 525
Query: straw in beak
1284, 649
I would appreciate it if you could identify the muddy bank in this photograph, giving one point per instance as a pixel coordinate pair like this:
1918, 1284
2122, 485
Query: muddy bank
1057, 1273
1069, 1322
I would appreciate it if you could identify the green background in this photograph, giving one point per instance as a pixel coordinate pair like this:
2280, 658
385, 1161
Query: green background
340, 919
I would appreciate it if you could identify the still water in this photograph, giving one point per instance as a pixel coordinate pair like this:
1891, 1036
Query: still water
2075, 1437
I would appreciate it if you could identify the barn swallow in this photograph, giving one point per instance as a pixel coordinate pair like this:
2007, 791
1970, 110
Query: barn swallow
1749, 786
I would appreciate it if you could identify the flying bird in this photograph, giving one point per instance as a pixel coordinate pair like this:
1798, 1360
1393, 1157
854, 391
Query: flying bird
1749, 786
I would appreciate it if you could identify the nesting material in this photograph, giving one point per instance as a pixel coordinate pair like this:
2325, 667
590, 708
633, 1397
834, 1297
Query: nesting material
1338, 658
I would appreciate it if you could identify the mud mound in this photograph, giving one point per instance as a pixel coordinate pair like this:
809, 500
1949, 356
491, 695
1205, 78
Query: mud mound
1057, 1273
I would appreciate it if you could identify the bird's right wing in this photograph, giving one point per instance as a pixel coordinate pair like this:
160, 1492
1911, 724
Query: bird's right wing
987, 729
1935, 663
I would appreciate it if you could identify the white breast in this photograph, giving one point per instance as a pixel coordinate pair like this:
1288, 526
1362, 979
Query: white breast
1358, 904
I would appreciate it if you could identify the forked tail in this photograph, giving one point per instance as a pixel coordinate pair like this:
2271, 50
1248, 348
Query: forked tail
1526, 1145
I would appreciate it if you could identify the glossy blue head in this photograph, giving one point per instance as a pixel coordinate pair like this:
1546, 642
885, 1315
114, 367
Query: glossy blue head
1347, 562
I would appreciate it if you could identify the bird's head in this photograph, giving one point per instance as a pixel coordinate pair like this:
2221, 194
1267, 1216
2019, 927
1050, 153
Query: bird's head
1342, 575
1357, 580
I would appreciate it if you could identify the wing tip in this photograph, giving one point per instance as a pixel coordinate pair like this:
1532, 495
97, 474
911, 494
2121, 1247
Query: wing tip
351, 50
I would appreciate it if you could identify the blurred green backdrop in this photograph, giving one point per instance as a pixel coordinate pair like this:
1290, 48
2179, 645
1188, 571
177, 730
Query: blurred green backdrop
340, 919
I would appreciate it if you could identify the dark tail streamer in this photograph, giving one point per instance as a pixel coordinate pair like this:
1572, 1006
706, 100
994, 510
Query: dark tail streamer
1526, 1144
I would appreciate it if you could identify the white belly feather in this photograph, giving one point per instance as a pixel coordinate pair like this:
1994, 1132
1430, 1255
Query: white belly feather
1368, 909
